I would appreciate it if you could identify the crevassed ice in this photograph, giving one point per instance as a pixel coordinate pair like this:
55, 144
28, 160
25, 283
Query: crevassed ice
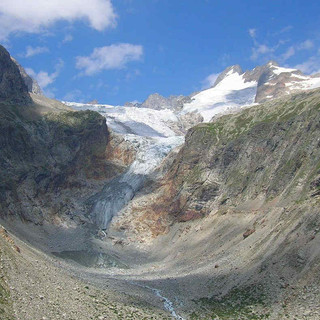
117, 194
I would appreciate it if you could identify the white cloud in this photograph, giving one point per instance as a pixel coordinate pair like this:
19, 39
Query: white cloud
115, 56
310, 66
292, 50
286, 29
283, 30
252, 32
210, 80
133, 74
44, 78
259, 50
32, 51
74, 95
67, 38
288, 54
306, 45
34, 16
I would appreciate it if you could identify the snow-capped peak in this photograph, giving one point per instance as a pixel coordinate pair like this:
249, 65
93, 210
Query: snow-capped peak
231, 91
234, 89
227, 72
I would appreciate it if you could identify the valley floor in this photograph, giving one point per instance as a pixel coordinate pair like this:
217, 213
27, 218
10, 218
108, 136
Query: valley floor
39, 287
217, 279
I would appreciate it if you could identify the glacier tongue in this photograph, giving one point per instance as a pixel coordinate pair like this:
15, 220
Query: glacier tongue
118, 193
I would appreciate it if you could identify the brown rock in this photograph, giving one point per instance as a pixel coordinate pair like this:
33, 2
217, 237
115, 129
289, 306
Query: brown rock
248, 233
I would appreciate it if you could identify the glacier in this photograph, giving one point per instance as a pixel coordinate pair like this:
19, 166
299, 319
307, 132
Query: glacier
149, 132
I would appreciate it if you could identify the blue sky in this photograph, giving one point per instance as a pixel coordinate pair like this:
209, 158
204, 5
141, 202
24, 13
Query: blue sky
124, 50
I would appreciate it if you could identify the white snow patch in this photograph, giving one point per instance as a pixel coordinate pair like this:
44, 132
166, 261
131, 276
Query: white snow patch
279, 70
300, 76
308, 84
230, 93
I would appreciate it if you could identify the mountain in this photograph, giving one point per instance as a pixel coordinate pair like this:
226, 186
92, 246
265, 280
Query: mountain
32, 84
275, 81
158, 102
12, 87
45, 148
235, 89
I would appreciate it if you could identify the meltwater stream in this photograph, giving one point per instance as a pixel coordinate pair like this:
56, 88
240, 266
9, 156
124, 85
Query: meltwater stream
168, 304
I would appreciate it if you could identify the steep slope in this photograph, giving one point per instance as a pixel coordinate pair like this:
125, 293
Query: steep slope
12, 86
32, 84
265, 154
50, 156
231, 91
238, 212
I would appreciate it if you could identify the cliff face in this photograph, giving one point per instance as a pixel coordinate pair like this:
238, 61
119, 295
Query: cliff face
50, 158
32, 84
12, 86
47, 159
269, 153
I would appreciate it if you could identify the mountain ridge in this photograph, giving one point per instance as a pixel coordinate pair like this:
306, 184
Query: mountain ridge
233, 90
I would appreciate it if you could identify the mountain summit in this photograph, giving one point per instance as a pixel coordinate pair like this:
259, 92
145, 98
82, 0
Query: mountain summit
12, 87
32, 84
228, 71
234, 88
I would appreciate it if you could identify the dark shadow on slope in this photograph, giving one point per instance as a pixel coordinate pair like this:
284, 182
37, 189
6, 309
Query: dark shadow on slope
243, 96
114, 196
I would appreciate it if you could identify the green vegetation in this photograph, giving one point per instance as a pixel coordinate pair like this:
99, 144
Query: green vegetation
79, 120
242, 303
230, 127
269, 149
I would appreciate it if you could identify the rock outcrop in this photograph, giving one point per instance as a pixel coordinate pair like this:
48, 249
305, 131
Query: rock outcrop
158, 102
232, 69
32, 84
12, 87
50, 157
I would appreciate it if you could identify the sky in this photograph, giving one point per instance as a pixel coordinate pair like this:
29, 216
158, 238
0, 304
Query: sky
116, 51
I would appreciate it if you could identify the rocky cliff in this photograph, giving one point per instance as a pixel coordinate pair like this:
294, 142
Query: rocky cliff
50, 157
264, 154
12, 86
32, 84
